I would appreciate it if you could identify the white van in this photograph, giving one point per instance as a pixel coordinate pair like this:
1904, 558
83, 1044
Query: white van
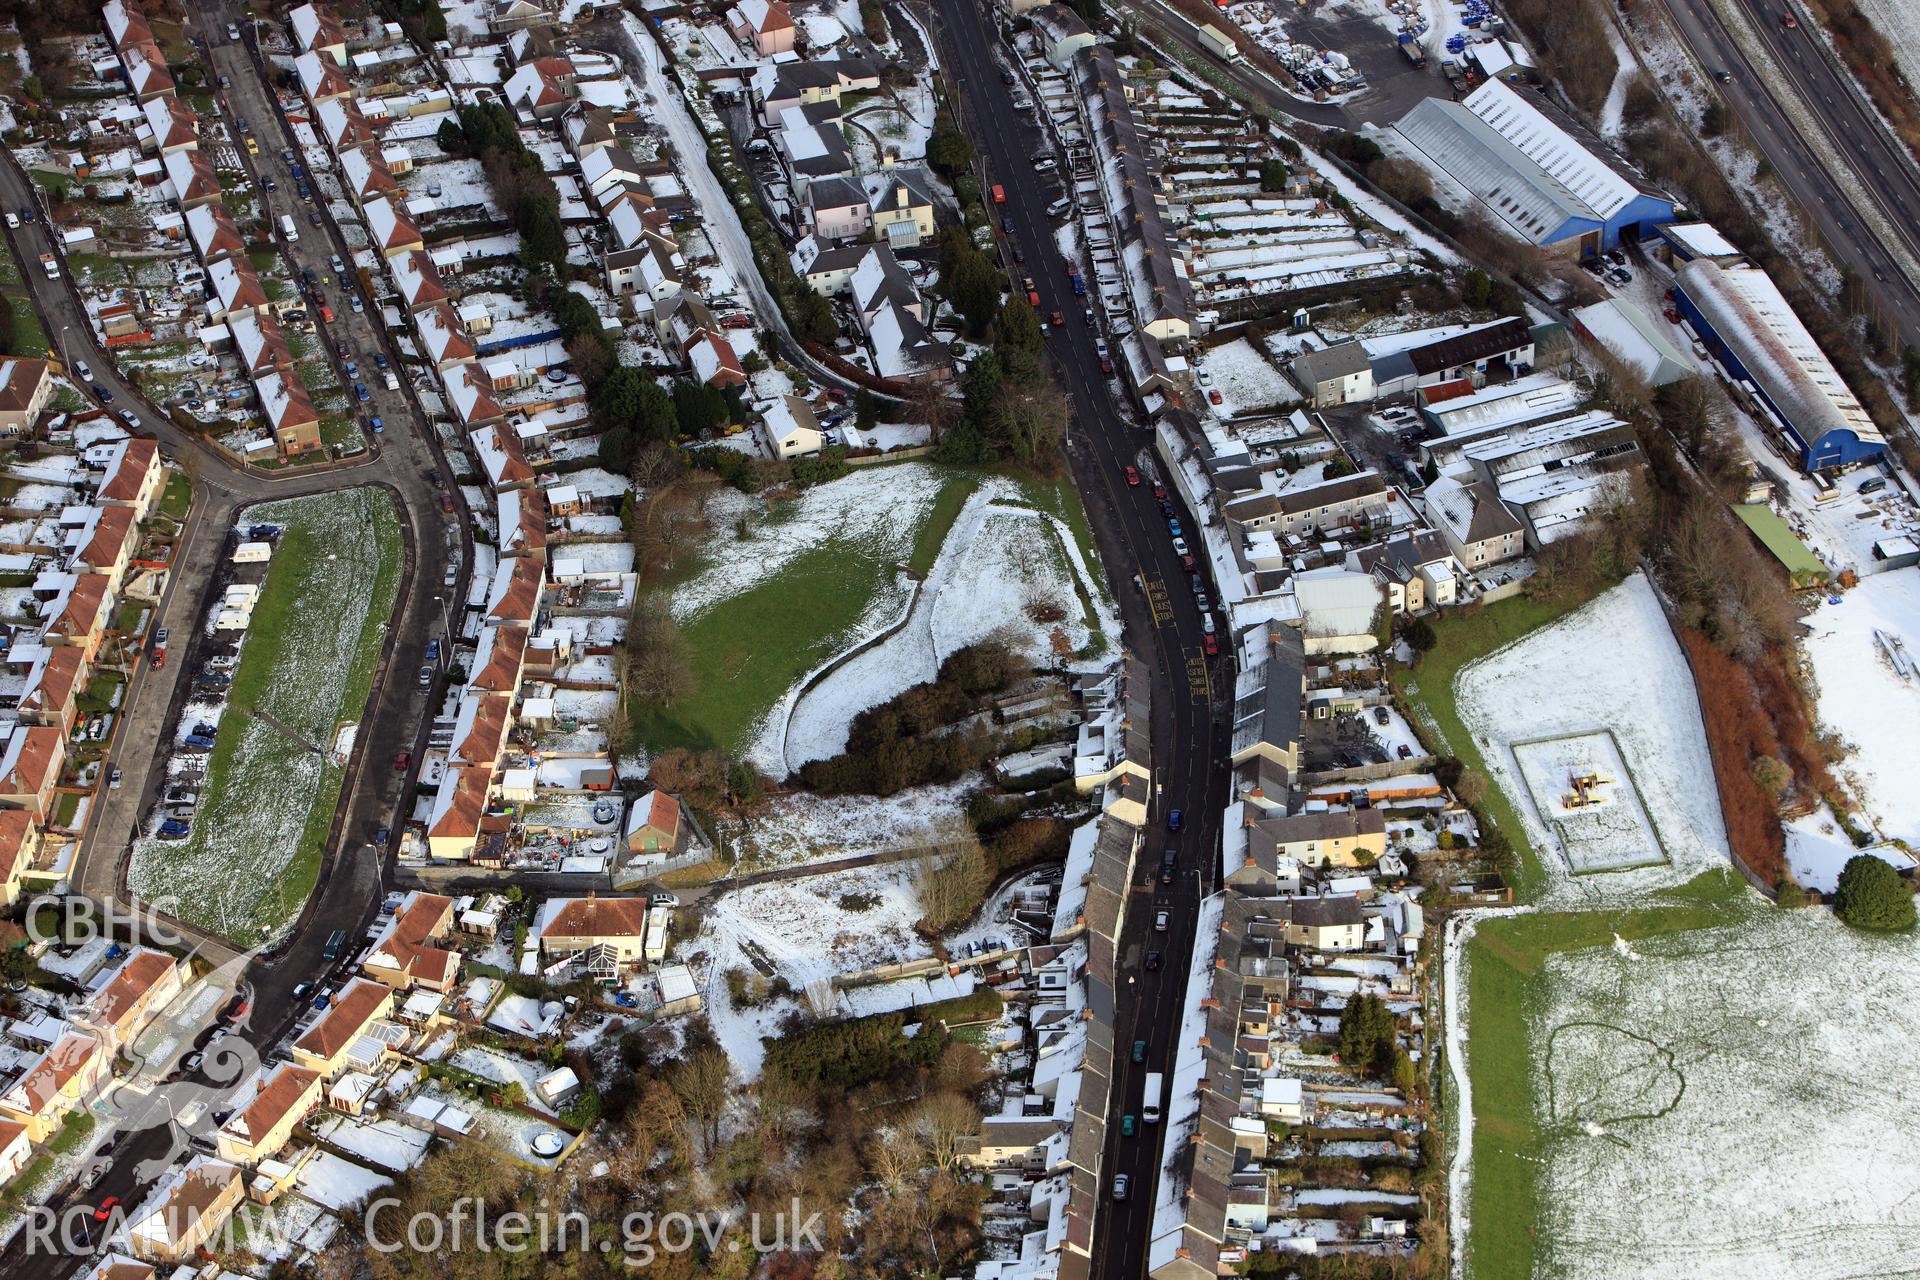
287, 229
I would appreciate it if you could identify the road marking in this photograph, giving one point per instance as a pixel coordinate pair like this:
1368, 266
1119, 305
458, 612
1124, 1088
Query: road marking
1199, 679
1157, 601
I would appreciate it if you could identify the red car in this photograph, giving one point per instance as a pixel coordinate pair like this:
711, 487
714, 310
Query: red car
1159, 491
1214, 396
1788, 21
1133, 476
446, 503
401, 759
1106, 364
738, 320
1033, 299
1059, 318
1211, 645
106, 1208
1189, 564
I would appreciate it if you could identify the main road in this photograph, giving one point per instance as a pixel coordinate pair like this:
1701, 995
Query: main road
1192, 695
407, 460
1795, 87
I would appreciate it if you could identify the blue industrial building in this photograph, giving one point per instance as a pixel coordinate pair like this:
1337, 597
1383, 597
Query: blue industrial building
1534, 169
1745, 323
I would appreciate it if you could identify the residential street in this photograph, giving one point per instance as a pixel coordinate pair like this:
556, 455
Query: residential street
1191, 705
408, 463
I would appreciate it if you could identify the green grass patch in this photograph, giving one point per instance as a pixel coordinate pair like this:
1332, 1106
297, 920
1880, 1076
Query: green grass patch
29, 335
177, 499
98, 695
1463, 635
740, 669
1506, 985
257, 843
126, 618
65, 806
953, 495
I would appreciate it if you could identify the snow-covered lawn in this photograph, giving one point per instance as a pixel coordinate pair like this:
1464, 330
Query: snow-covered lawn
1613, 665
254, 851
808, 931
1002, 569
384, 1144
1769, 1065
803, 827
876, 509
338, 1184
1864, 700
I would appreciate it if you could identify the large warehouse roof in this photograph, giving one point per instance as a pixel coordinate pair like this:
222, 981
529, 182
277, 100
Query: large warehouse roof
1529, 166
1751, 315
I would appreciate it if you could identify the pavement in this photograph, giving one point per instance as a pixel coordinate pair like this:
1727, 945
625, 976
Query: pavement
407, 462
1192, 696
1786, 82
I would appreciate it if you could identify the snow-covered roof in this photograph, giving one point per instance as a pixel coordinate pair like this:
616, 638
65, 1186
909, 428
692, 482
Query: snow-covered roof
1337, 602
1500, 146
1627, 331
1752, 316
1700, 239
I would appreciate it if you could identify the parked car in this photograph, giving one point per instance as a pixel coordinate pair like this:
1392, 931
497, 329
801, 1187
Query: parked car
402, 761
1381, 715
101, 394
106, 1208
233, 32
426, 677
1106, 365
433, 649
80, 367
175, 829
379, 360
1173, 525
360, 392
1133, 477
1059, 318
113, 778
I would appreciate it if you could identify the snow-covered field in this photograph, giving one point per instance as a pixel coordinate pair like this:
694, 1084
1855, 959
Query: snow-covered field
1899, 22
1865, 701
1001, 566
241, 872
803, 827
807, 931
877, 509
1734, 1104
1613, 665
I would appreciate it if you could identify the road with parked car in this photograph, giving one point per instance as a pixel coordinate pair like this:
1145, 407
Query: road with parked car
407, 462
1156, 560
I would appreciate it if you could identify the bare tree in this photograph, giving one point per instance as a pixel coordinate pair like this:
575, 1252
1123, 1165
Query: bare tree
952, 881
704, 1084
659, 662
941, 1122
893, 1155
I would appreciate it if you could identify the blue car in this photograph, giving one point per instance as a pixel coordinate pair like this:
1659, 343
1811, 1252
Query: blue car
433, 650
379, 427
360, 392
353, 370
105, 396
1174, 819
322, 1000
1173, 526
174, 829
